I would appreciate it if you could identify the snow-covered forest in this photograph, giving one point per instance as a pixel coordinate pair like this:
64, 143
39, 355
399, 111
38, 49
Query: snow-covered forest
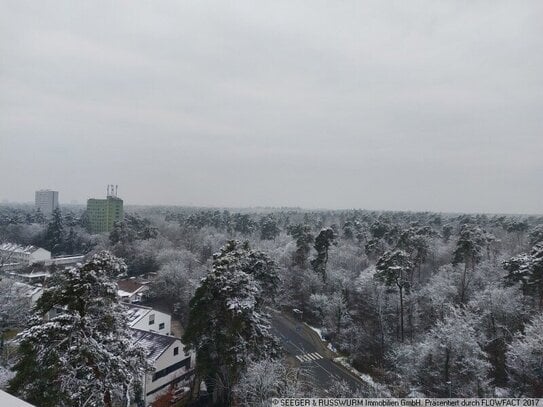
421, 303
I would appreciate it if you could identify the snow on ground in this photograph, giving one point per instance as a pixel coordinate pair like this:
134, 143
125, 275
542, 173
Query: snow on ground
318, 331
343, 362
501, 392
366, 378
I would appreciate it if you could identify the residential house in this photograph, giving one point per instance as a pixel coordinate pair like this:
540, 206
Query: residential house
33, 278
131, 290
148, 319
16, 300
173, 365
14, 256
28, 292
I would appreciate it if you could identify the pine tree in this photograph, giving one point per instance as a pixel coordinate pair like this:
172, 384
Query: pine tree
84, 354
243, 223
528, 270
54, 234
469, 248
304, 238
394, 268
536, 235
268, 228
39, 217
71, 244
228, 326
121, 233
348, 230
322, 244
415, 242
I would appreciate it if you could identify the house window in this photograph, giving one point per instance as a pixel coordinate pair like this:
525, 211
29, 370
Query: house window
176, 350
170, 369
161, 325
151, 319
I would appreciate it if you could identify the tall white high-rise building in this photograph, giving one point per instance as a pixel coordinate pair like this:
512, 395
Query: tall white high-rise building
46, 201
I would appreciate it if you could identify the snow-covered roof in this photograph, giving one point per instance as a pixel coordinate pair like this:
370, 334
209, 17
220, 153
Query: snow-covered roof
26, 290
136, 312
61, 260
129, 287
40, 274
9, 400
153, 343
76, 257
17, 248
123, 294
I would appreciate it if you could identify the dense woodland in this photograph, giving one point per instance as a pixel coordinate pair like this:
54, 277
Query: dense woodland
435, 303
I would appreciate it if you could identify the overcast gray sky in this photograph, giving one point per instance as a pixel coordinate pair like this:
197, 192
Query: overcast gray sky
413, 105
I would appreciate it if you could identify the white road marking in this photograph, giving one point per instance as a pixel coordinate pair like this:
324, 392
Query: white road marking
317, 364
309, 357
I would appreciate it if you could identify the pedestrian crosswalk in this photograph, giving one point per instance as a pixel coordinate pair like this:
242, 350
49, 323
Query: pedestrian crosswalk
309, 357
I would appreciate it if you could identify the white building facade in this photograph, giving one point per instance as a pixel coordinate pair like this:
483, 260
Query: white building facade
148, 319
46, 201
132, 291
17, 256
173, 367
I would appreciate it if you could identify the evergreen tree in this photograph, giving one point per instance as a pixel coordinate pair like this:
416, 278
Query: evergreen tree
348, 230
121, 233
322, 245
415, 241
82, 356
304, 238
228, 326
71, 244
84, 220
394, 268
446, 233
132, 228
379, 229
469, 248
375, 248
39, 217
518, 228
528, 270
268, 228
54, 234
536, 235
243, 224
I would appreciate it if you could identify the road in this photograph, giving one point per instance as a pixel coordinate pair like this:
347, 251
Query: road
310, 352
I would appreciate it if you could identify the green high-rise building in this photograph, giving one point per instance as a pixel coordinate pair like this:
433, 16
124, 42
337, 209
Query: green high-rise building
103, 213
